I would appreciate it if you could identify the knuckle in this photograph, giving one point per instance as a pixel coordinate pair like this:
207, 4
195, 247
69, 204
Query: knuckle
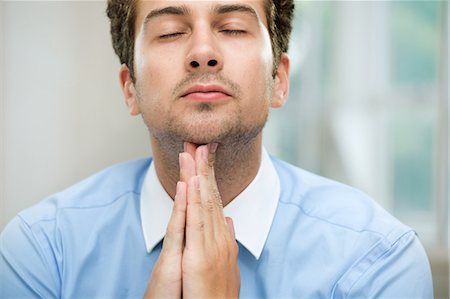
178, 209
215, 196
200, 225
195, 204
218, 203
196, 225
174, 230
210, 205
211, 163
204, 171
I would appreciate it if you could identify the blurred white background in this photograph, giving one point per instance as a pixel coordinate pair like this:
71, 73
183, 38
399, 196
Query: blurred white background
63, 115
369, 105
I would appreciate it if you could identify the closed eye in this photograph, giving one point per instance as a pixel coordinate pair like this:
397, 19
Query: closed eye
171, 35
233, 31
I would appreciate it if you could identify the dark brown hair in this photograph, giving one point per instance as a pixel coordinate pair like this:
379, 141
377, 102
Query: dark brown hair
122, 14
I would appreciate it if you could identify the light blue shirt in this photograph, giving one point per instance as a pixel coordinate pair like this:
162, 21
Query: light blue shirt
252, 211
326, 240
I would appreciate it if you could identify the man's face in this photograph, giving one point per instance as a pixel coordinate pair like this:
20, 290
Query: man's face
203, 69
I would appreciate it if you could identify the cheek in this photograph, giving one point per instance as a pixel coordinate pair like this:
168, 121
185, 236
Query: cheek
260, 78
150, 91
261, 60
146, 73
256, 86
155, 81
154, 67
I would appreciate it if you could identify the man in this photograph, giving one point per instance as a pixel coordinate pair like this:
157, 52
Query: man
203, 75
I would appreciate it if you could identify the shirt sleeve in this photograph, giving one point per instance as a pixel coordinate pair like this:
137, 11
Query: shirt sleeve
25, 271
400, 270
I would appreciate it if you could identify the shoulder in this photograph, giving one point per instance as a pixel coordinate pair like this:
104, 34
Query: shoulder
362, 243
98, 190
334, 203
44, 243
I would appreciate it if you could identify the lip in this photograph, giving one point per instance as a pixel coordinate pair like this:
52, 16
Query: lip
205, 93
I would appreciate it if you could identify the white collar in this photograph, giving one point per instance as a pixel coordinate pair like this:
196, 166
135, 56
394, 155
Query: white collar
252, 211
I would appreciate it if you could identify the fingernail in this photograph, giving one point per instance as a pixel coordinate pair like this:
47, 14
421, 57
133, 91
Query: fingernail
213, 147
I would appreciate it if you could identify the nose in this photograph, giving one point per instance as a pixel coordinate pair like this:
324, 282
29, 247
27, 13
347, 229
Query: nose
204, 54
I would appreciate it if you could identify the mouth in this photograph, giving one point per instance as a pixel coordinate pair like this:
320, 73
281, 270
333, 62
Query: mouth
206, 93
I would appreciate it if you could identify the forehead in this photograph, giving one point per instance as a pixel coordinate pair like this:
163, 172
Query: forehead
144, 7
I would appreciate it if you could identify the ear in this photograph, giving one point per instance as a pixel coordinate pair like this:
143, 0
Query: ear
280, 90
129, 91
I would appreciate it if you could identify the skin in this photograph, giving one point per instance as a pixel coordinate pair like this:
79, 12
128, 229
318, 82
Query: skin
196, 44
199, 248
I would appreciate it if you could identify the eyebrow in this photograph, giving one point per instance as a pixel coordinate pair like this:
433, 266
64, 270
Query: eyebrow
184, 10
169, 10
228, 8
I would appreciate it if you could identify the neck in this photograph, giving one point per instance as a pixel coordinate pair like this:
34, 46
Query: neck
235, 167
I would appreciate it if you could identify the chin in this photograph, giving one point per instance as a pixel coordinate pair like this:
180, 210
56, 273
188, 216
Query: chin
222, 129
199, 138
204, 131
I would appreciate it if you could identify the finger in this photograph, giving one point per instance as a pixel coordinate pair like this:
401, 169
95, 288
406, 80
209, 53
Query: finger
212, 175
195, 224
187, 167
204, 165
232, 235
201, 160
190, 148
209, 192
212, 147
231, 227
174, 239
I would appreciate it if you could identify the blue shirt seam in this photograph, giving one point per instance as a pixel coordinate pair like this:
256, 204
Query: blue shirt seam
101, 205
38, 243
329, 222
380, 256
58, 210
29, 225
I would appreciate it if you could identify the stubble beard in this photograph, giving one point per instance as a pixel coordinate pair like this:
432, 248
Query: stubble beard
203, 128
238, 142
229, 132
236, 136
